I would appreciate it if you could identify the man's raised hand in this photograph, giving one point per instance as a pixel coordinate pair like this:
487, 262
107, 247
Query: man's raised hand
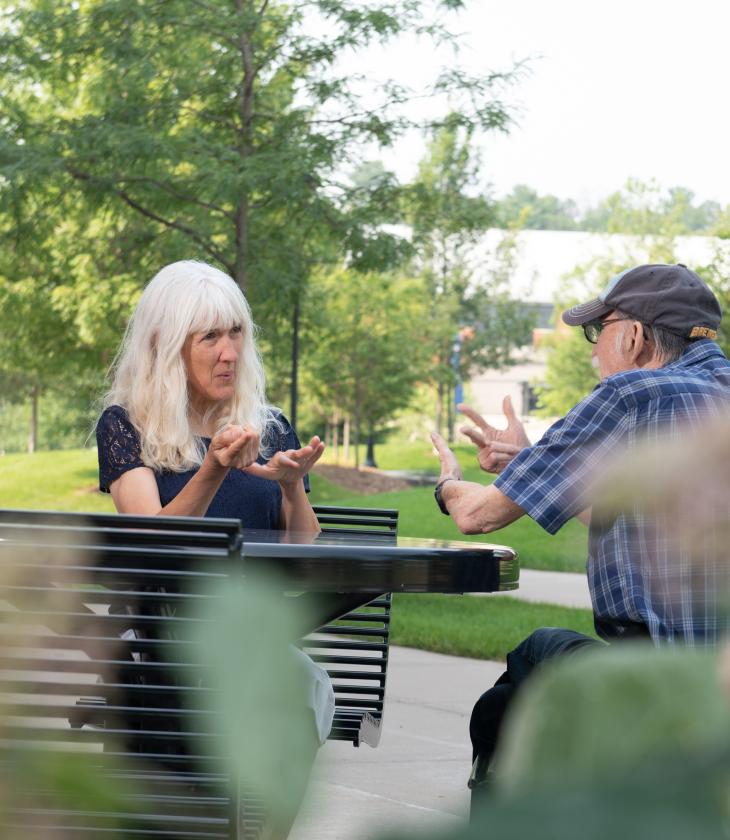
497, 447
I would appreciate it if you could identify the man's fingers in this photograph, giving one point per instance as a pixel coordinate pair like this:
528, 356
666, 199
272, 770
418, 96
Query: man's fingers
510, 449
446, 456
474, 435
509, 411
494, 463
474, 416
449, 464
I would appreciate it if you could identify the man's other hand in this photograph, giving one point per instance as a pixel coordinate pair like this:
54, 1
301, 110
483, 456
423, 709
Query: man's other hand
497, 447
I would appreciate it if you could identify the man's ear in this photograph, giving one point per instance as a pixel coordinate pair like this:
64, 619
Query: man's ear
639, 349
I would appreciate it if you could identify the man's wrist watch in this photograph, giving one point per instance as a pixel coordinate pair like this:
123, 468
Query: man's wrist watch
437, 494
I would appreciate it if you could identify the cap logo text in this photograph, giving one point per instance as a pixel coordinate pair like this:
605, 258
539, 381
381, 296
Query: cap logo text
703, 332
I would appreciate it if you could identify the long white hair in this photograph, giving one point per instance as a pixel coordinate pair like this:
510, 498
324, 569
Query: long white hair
149, 378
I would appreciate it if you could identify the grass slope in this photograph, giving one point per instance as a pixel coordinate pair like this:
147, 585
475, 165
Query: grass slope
62, 480
66, 480
482, 627
419, 517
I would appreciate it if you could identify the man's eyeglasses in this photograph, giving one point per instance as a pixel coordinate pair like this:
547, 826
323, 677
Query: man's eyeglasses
593, 329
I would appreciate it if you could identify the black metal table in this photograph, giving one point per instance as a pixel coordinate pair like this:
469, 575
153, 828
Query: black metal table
360, 564
118, 595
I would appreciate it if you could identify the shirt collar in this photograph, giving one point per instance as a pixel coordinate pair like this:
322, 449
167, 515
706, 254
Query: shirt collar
698, 351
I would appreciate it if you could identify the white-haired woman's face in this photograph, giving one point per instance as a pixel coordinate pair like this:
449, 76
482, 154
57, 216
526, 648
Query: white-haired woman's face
210, 361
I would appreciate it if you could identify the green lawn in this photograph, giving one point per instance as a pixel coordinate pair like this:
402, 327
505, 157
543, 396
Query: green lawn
479, 627
419, 517
62, 480
66, 480
461, 625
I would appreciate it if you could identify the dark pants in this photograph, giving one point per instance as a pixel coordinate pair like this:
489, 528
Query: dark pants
490, 708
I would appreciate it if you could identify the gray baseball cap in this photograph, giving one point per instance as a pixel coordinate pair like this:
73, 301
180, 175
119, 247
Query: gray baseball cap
669, 296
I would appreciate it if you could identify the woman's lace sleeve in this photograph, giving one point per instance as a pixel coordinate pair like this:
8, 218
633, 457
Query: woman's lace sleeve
118, 446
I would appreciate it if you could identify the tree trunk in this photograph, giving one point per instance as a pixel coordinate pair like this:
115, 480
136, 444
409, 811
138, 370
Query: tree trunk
33, 436
346, 440
336, 436
241, 272
294, 395
370, 454
439, 406
450, 416
356, 424
245, 149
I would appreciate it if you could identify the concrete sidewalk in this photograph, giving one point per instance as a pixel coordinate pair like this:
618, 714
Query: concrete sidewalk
415, 781
563, 588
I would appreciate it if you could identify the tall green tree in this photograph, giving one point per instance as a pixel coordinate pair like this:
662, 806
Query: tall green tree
717, 275
370, 350
448, 214
524, 207
220, 126
644, 208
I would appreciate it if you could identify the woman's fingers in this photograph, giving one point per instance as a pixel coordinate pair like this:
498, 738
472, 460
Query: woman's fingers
240, 447
245, 448
235, 446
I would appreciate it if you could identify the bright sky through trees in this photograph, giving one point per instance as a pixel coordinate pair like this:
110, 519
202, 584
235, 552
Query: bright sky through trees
616, 90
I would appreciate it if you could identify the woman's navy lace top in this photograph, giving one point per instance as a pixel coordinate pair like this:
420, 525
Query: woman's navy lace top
255, 501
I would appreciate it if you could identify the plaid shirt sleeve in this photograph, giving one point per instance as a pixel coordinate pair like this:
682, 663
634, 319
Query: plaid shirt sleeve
553, 480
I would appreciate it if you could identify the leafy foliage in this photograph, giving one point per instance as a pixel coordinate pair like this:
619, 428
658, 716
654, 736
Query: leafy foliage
368, 350
134, 134
524, 207
472, 306
640, 207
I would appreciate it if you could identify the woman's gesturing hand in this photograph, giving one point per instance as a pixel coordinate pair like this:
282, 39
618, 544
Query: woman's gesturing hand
290, 466
235, 447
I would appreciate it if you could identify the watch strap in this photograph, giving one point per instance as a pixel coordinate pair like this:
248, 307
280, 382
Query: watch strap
439, 498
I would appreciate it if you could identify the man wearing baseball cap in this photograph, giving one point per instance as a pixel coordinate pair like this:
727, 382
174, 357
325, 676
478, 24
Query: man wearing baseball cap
652, 331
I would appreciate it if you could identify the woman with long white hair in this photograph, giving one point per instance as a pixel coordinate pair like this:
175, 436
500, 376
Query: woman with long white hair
186, 430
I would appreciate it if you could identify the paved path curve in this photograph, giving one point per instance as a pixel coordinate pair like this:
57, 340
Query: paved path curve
415, 781
564, 588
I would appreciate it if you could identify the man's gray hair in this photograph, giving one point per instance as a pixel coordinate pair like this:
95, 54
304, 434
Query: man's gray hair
669, 345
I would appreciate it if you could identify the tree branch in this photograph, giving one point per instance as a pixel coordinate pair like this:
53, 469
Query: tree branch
155, 217
172, 191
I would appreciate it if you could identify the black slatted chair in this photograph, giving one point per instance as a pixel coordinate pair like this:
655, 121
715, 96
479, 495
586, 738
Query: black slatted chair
94, 653
354, 649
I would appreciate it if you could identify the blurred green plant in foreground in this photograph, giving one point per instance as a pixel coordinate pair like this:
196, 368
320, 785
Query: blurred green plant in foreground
628, 742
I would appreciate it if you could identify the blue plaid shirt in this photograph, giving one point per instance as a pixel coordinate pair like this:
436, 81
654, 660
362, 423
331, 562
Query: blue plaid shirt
636, 573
